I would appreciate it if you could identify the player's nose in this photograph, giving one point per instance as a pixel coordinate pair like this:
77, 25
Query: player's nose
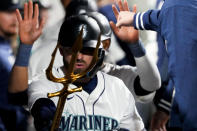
79, 55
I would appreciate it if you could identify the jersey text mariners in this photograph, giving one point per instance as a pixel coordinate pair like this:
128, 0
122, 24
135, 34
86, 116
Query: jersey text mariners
89, 122
110, 106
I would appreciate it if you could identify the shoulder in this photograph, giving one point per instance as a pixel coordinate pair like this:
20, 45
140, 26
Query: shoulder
113, 83
108, 77
116, 70
126, 73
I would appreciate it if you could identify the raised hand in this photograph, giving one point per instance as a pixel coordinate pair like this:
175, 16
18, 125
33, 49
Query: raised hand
125, 16
125, 33
29, 27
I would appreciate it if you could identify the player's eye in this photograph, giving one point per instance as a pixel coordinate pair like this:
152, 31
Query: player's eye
87, 51
67, 50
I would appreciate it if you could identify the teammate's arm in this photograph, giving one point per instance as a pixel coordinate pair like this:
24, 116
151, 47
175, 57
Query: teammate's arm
148, 20
148, 78
29, 31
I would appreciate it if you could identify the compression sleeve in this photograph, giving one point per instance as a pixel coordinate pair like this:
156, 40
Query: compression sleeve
137, 49
148, 73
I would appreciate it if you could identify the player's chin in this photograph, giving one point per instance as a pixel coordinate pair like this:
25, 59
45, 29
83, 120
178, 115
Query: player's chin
11, 32
79, 70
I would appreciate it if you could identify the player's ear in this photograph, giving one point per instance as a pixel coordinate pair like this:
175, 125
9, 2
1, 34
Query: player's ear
106, 43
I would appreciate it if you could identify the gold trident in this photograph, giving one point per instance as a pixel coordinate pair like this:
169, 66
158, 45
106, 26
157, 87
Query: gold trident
70, 77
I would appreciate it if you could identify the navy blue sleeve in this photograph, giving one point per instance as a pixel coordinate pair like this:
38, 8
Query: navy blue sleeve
2, 126
14, 118
5, 69
137, 49
20, 98
164, 96
147, 20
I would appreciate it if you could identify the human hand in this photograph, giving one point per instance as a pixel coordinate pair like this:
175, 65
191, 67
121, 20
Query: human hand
125, 33
29, 27
159, 120
125, 16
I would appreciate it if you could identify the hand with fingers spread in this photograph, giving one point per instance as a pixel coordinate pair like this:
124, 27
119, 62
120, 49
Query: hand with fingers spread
29, 27
125, 16
125, 33
29, 31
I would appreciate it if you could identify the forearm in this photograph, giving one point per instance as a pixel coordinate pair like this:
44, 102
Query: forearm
148, 74
148, 20
149, 78
164, 96
19, 75
17, 82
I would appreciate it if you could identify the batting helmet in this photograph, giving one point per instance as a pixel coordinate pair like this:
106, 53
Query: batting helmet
103, 24
80, 6
70, 30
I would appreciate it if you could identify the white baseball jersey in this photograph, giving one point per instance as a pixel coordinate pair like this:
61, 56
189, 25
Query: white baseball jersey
110, 106
145, 69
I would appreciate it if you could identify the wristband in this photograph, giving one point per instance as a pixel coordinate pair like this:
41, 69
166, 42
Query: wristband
22, 57
137, 49
138, 89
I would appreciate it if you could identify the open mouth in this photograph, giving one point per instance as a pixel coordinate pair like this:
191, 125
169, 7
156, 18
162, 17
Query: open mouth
79, 65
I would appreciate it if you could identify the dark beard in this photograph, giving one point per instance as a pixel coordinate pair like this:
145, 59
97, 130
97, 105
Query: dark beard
66, 65
77, 71
9, 35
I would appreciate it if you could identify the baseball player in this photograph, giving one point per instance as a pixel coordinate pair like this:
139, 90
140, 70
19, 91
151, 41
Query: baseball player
53, 107
105, 103
146, 70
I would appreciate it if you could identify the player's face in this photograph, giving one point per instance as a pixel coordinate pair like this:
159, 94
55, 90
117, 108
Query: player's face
83, 61
8, 23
